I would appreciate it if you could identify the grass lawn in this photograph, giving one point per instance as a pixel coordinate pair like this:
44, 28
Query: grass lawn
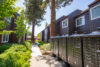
15, 55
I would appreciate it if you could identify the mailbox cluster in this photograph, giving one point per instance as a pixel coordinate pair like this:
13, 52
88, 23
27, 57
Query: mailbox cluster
78, 50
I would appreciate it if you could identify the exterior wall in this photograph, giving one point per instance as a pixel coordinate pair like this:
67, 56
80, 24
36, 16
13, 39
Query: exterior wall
71, 22
48, 34
84, 28
58, 25
42, 35
45, 34
58, 28
45, 37
63, 31
96, 22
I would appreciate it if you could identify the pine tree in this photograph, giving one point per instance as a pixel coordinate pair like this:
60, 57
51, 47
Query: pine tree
34, 13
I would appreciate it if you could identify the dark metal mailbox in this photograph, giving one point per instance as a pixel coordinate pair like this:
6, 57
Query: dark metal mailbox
91, 50
60, 47
70, 51
75, 51
63, 48
56, 46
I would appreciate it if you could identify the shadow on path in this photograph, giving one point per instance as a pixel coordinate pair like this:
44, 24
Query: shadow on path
39, 60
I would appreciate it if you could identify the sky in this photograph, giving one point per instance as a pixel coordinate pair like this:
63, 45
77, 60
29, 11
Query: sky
76, 4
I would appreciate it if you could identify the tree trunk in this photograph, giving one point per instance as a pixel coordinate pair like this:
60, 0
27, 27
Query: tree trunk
53, 18
33, 27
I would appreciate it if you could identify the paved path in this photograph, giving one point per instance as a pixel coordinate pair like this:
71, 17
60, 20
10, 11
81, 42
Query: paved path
39, 60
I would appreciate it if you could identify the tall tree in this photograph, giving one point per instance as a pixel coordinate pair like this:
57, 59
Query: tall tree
21, 23
55, 4
34, 12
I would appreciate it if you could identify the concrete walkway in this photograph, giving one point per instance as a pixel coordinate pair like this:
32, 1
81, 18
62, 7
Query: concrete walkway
39, 60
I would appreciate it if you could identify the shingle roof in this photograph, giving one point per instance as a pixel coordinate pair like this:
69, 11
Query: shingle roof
94, 2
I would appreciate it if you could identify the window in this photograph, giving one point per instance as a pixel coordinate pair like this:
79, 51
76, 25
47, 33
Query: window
65, 23
8, 19
5, 38
95, 12
80, 21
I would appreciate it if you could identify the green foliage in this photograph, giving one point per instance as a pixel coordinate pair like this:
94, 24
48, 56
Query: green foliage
6, 32
2, 24
6, 9
28, 45
15, 55
34, 10
58, 4
21, 25
45, 47
41, 43
29, 33
4, 47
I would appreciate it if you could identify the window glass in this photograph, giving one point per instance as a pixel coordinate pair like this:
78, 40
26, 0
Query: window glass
64, 23
96, 12
80, 21
5, 38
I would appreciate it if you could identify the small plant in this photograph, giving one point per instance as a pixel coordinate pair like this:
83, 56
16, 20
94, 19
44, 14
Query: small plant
41, 43
45, 47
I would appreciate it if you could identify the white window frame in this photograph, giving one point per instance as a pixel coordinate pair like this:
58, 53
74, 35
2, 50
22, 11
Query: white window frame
83, 22
5, 40
91, 12
66, 22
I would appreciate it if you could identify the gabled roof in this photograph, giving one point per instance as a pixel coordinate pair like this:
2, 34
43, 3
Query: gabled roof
94, 2
61, 18
82, 13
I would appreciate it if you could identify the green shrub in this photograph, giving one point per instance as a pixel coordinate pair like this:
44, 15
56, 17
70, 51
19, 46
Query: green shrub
4, 47
17, 55
28, 45
45, 47
41, 43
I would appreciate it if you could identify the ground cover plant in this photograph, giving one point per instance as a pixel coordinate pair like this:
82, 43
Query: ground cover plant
41, 43
15, 55
44, 47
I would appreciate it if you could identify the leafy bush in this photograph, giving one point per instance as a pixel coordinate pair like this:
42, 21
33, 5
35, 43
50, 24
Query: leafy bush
28, 45
4, 47
17, 55
45, 47
41, 43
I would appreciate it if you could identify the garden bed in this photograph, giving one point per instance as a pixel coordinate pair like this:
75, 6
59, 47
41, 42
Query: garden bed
45, 48
15, 55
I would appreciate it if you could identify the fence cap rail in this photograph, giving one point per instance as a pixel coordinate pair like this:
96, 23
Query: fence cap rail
77, 35
94, 34
59, 36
